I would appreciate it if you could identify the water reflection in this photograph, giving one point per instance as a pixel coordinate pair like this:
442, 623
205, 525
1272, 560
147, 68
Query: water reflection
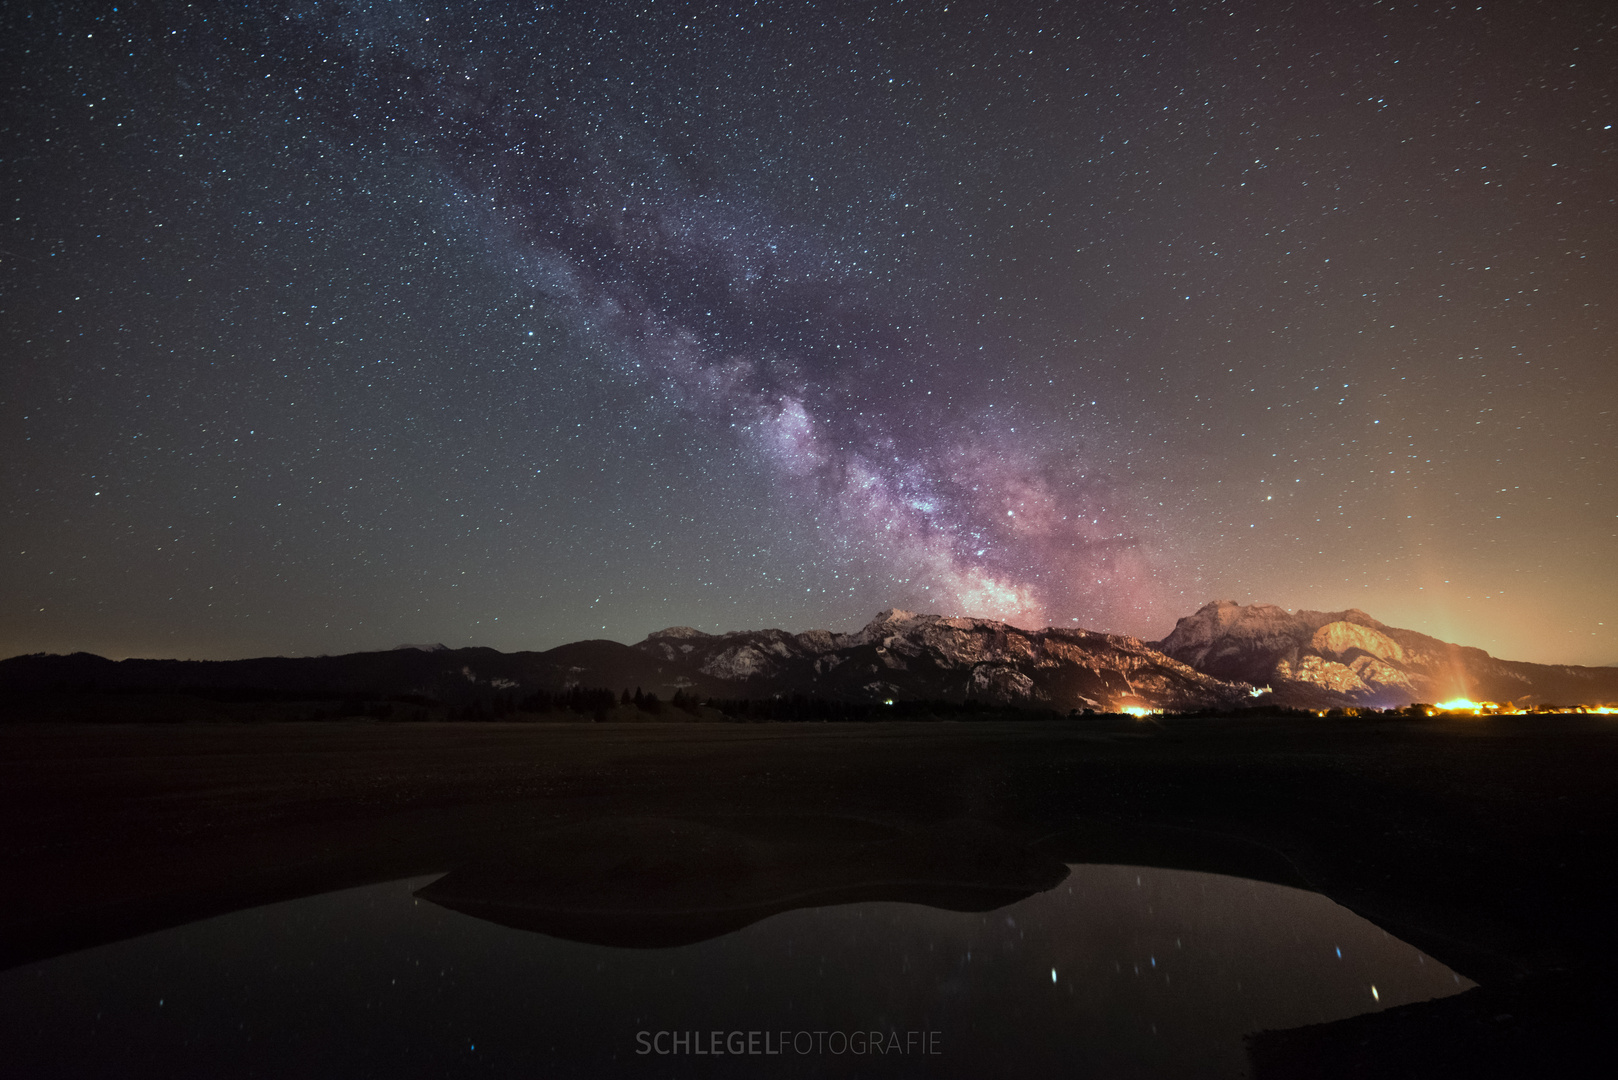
650, 882
1116, 971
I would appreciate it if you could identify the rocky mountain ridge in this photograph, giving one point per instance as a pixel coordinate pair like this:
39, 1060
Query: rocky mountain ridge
902, 654
1315, 659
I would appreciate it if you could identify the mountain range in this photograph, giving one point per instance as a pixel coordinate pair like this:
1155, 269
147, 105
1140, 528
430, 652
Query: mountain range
1225, 656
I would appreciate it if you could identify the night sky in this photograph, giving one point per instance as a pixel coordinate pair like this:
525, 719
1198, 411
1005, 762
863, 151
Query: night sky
335, 326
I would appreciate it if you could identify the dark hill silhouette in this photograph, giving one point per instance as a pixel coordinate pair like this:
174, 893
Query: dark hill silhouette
898, 656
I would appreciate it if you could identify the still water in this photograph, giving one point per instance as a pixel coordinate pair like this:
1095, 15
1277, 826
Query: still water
1118, 971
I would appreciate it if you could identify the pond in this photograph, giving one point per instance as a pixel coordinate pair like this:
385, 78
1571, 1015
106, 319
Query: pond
1117, 971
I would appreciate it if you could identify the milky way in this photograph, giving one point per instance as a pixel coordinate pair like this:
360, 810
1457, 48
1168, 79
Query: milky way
334, 325
742, 322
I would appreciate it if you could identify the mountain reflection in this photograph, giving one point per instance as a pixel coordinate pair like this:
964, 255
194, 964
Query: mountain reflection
639, 882
1114, 971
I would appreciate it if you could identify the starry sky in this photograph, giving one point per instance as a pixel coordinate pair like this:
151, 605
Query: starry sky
328, 326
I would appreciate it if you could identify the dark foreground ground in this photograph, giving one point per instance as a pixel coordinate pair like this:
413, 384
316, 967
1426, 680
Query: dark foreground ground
1487, 843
